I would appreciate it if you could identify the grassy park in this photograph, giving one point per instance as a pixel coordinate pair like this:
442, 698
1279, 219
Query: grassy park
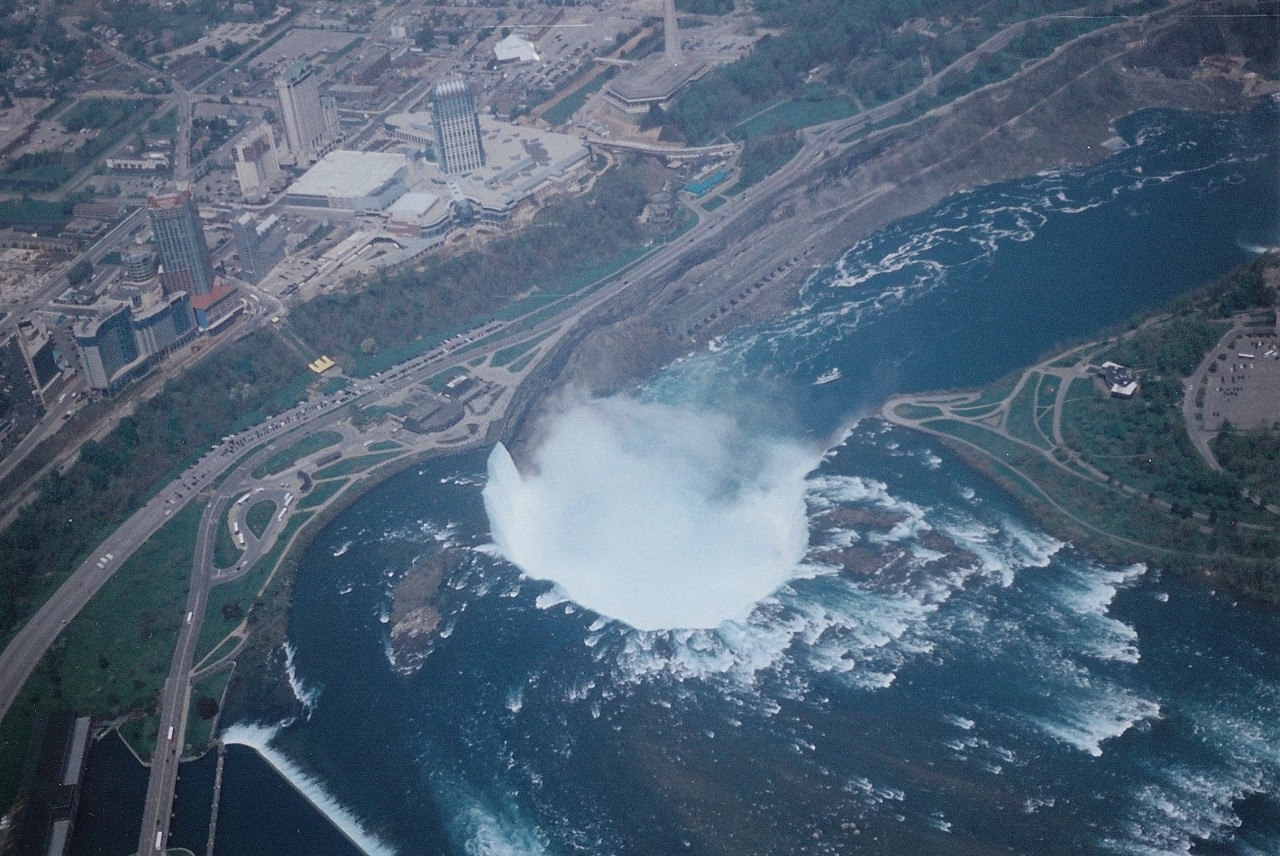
111, 661
285, 459
1121, 476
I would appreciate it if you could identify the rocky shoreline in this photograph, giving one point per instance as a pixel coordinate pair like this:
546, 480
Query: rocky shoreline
1055, 114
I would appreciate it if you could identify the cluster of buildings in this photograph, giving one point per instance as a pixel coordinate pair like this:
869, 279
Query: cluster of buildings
442, 169
456, 168
159, 308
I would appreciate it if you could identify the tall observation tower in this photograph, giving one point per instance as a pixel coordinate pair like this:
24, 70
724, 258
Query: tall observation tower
657, 79
671, 33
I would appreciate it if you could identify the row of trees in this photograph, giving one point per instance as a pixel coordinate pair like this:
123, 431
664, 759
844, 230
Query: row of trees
1253, 458
566, 238
874, 51
73, 511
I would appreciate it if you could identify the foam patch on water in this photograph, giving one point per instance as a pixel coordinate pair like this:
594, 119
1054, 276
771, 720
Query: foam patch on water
306, 696
258, 738
1096, 712
1088, 593
1003, 547
480, 825
1189, 802
485, 834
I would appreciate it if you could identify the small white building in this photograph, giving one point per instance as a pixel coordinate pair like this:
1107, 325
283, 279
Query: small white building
515, 48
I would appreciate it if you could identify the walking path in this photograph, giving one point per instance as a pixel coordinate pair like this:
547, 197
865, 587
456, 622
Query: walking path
1023, 418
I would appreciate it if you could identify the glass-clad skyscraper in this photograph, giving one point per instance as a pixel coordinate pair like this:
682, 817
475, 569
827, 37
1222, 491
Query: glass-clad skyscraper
184, 255
453, 110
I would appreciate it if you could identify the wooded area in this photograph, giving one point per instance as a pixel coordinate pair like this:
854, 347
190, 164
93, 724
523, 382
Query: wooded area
567, 237
872, 52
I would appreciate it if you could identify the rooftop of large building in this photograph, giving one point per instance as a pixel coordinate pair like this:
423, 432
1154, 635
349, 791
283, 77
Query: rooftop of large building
515, 48
347, 174
451, 87
413, 205
655, 79
167, 201
517, 158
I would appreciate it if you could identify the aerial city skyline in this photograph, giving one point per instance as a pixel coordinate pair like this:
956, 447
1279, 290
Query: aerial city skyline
622, 428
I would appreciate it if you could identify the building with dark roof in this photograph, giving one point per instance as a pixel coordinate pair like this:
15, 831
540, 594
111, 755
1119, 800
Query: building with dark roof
54, 772
1120, 380
657, 79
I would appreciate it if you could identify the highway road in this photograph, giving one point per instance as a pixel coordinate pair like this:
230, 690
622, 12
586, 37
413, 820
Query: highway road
175, 698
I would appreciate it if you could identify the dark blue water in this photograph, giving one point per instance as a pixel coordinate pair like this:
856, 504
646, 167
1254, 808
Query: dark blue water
110, 815
260, 812
980, 688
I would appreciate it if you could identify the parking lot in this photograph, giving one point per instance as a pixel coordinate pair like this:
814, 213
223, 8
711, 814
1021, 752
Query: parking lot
1245, 387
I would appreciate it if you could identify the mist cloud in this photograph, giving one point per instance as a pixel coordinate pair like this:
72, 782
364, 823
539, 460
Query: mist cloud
661, 517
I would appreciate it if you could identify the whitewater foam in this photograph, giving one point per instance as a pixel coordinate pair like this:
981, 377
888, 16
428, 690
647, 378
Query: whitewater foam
258, 738
306, 696
659, 516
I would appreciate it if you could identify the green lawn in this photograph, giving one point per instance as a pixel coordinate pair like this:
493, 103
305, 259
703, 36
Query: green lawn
322, 493
522, 363
354, 465
199, 730
222, 649
229, 602
975, 412
226, 552
1021, 422
793, 115
31, 211
917, 411
507, 355
259, 516
115, 654
281, 461
564, 111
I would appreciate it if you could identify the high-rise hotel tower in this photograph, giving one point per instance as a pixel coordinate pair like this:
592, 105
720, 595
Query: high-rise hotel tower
453, 110
310, 121
184, 256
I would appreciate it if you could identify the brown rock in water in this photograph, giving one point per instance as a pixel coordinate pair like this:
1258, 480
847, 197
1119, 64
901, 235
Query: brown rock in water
862, 518
415, 611
862, 560
954, 555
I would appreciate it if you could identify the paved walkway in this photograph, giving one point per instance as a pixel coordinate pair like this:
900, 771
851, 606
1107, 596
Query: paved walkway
1030, 435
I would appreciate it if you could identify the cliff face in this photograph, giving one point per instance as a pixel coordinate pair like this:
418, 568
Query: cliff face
1056, 113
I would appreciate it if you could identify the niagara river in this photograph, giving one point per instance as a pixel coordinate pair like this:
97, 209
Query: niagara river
843, 640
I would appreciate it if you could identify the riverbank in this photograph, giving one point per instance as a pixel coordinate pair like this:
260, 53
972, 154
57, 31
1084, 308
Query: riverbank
1117, 474
260, 677
1058, 113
